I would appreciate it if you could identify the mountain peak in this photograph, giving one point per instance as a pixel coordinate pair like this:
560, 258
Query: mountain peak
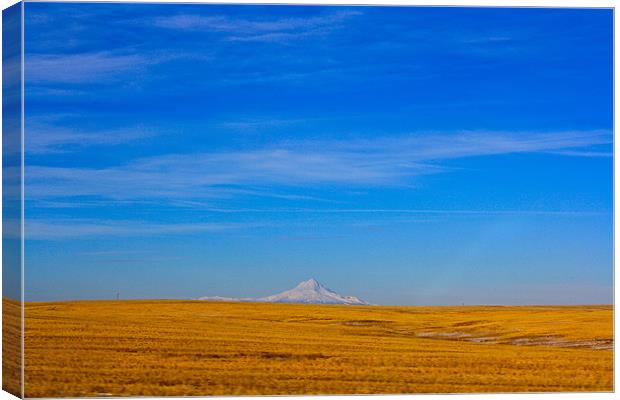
309, 284
309, 292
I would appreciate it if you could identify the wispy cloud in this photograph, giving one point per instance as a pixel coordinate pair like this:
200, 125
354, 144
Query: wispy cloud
222, 23
46, 138
69, 228
58, 229
115, 253
273, 30
582, 153
252, 125
82, 67
355, 163
95, 67
203, 175
409, 211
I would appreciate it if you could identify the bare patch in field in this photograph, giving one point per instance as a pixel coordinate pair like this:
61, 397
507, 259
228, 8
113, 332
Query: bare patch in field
365, 322
444, 335
556, 341
547, 340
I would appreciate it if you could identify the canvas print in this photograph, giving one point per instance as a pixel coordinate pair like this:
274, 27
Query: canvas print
205, 199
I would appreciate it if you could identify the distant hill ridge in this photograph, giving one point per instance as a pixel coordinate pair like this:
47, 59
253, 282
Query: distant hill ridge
306, 292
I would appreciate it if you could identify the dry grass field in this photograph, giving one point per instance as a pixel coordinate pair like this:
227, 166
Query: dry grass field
103, 348
11, 347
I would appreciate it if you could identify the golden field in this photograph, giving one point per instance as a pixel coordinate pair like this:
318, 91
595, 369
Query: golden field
121, 348
11, 347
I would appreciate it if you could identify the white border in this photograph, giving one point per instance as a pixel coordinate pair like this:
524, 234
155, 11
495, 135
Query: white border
447, 3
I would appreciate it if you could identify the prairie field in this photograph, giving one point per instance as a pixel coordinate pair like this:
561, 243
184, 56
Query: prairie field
11, 347
121, 348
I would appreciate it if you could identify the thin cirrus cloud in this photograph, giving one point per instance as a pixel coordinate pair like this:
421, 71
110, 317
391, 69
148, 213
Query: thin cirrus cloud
392, 161
58, 229
72, 228
96, 67
250, 125
106, 65
252, 28
81, 67
49, 139
279, 31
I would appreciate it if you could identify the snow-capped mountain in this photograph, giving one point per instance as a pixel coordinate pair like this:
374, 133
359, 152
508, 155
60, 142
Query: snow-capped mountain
312, 292
308, 292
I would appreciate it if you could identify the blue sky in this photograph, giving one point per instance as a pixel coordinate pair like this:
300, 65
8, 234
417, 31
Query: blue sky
402, 155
